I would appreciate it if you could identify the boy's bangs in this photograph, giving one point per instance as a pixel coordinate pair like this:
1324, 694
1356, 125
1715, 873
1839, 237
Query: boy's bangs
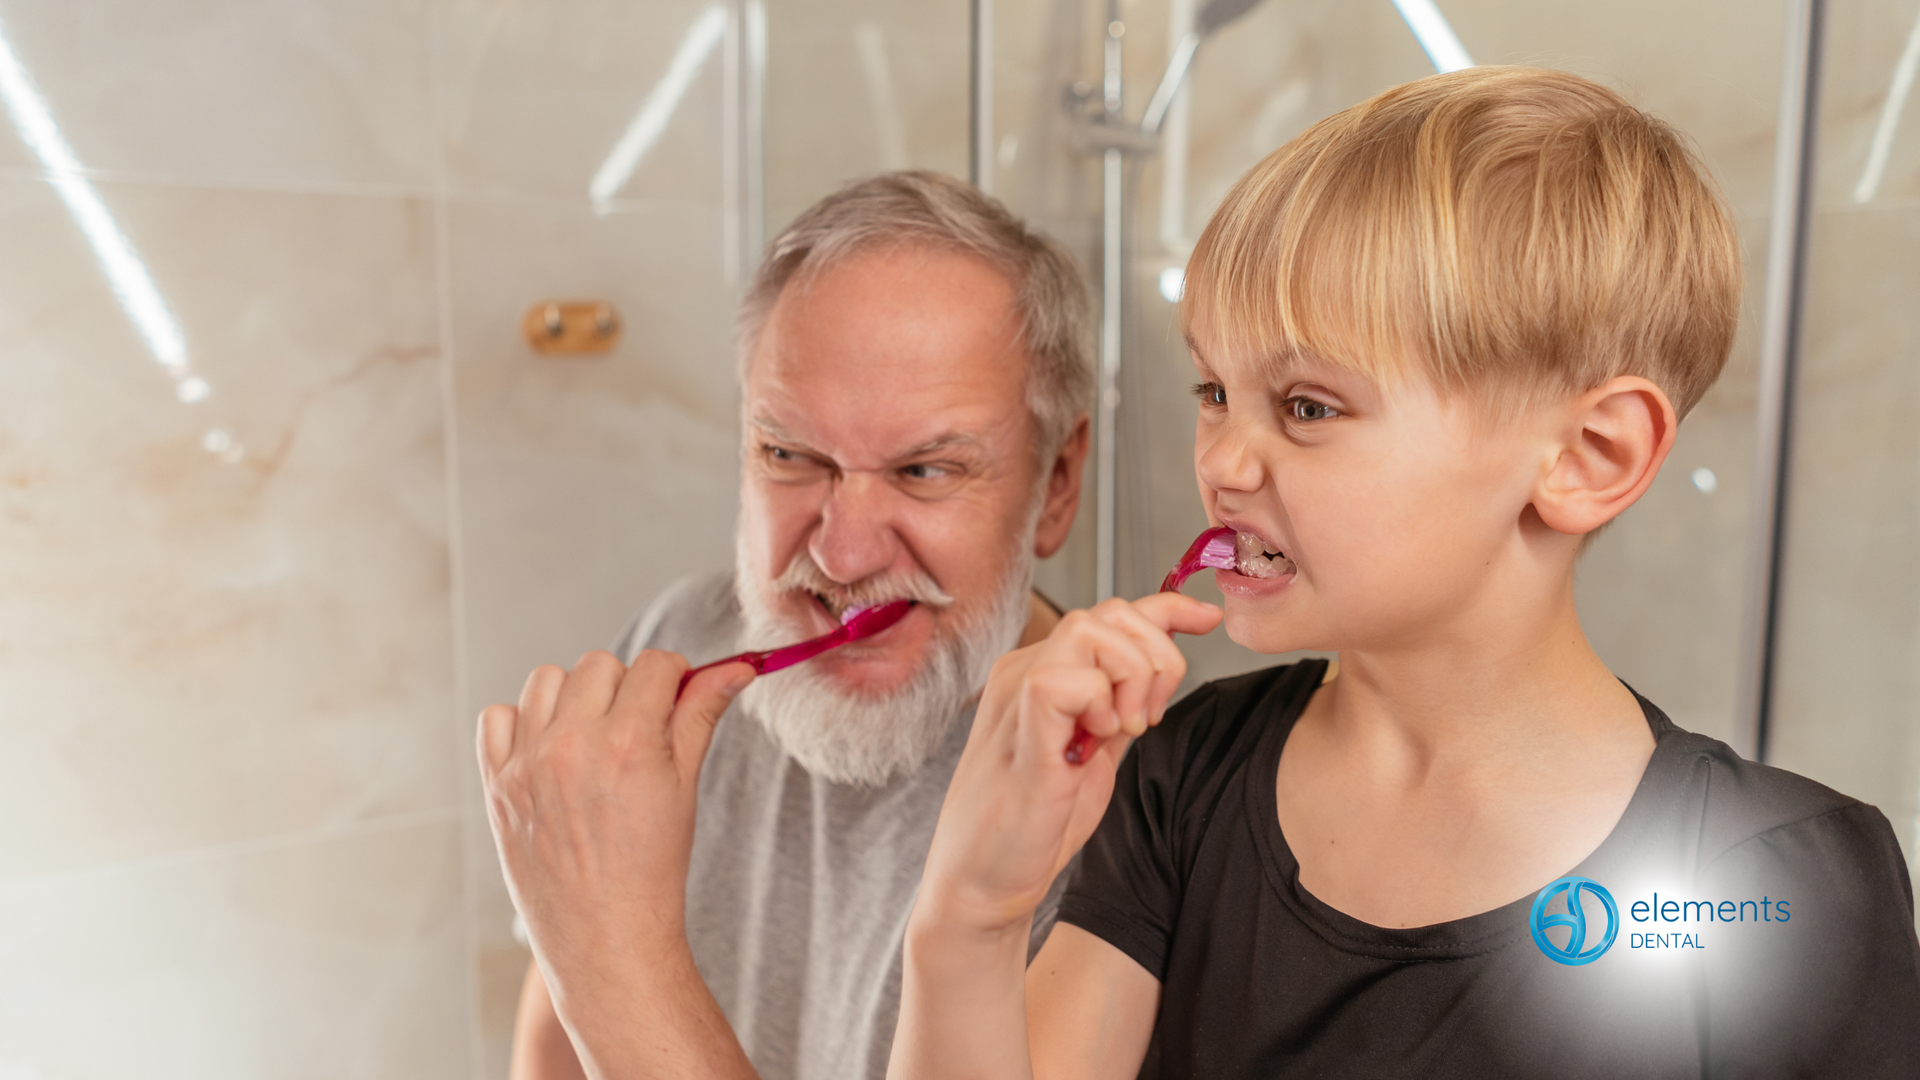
1507, 231
1311, 255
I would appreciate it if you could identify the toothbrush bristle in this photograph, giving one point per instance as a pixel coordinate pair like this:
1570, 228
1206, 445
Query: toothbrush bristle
1219, 553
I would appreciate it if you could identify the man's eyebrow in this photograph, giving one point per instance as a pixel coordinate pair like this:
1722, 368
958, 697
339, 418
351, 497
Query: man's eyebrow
948, 441
772, 429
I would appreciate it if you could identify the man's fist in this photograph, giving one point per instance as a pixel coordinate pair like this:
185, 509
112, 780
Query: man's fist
591, 784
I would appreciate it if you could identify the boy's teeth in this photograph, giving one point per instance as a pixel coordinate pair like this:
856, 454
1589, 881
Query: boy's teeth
1252, 558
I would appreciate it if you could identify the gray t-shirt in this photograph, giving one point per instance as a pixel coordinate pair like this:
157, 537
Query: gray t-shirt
800, 888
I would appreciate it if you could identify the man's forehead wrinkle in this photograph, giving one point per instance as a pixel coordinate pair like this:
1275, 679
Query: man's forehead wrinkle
948, 440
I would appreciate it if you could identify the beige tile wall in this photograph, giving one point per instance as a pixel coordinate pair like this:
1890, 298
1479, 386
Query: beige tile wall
237, 685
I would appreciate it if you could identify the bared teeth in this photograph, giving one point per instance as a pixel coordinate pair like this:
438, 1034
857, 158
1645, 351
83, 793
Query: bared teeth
1253, 559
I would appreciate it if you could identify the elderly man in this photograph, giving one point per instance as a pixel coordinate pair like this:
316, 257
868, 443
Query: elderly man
915, 376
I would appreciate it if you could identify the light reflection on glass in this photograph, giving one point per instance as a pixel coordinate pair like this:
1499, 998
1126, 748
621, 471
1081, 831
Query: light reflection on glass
1173, 282
657, 109
1430, 28
126, 274
1897, 91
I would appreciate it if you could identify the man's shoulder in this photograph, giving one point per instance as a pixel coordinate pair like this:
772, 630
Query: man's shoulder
697, 616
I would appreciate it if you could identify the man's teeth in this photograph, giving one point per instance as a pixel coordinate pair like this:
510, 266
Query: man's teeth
1253, 558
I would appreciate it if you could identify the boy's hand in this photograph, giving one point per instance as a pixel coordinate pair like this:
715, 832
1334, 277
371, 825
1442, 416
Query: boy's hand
1016, 809
591, 785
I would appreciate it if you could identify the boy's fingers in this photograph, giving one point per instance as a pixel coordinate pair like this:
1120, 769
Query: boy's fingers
1061, 698
1177, 614
1125, 664
588, 691
1169, 664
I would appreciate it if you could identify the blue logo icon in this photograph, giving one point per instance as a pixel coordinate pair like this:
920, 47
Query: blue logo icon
1574, 893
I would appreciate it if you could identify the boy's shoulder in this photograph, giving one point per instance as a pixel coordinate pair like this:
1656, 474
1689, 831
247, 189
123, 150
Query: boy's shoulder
1740, 800
1217, 727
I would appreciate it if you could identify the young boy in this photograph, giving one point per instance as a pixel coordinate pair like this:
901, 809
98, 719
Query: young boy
1442, 338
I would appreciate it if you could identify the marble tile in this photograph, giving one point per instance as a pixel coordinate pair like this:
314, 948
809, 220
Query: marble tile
220, 646
282, 93
587, 484
498, 961
1847, 709
535, 96
324, 959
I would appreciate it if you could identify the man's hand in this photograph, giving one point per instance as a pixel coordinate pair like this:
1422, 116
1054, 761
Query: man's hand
591, 788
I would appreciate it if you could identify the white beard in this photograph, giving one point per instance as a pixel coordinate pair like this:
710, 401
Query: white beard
850, 737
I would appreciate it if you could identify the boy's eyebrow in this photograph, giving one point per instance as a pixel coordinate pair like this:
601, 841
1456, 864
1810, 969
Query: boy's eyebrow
1276, 366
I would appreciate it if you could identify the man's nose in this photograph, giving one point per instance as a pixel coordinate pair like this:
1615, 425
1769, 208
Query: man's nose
855, 538
1229, 462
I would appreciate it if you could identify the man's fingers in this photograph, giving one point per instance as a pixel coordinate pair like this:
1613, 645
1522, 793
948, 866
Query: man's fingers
495, 738
588, 691
646, 691
708, 694
542, 689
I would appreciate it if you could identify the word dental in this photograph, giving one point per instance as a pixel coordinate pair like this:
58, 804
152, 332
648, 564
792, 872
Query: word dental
1698, 911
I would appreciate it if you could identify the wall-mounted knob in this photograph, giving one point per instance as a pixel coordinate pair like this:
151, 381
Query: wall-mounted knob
571, 327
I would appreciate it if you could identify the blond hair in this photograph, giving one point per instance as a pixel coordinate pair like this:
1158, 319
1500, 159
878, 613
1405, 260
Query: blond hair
1504, 228
916, 207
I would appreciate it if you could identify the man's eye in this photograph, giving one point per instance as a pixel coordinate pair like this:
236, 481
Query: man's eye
1305, 408
784, 463
1211, 394
925, 471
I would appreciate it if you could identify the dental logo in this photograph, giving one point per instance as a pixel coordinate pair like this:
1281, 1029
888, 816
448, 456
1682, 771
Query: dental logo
1566, 905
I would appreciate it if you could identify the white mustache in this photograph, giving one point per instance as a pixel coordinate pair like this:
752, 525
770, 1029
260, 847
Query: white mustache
804, 575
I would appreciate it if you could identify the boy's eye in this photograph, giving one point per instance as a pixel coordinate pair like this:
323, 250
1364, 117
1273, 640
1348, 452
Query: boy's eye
1305, 408
1211, 394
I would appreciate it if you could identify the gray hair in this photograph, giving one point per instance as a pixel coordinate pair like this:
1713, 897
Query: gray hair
917, 207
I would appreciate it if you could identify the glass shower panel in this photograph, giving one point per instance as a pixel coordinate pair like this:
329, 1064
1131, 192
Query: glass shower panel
1846, 706
1660, 590
856, 87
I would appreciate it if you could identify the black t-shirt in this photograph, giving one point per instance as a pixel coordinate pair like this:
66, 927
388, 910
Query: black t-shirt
1763, 926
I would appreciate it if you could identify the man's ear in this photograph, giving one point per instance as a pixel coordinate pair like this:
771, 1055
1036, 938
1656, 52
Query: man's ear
1063, 491
1616, 437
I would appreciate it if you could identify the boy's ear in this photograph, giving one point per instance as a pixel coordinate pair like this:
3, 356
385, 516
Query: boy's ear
1615, 439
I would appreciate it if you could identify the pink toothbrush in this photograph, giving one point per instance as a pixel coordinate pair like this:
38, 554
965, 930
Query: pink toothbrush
1213, 548
855, 623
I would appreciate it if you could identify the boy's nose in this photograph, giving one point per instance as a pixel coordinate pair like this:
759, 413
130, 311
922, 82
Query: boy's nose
1229, 464
855, 537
